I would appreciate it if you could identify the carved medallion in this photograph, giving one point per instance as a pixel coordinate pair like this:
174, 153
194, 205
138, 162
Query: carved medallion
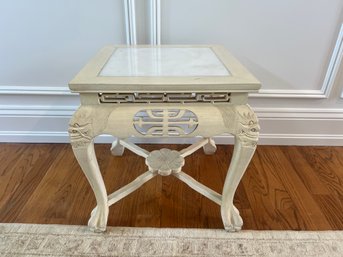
165, 122
165, 161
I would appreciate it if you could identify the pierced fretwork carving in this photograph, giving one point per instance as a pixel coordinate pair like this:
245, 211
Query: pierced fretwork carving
167, 122
164, 97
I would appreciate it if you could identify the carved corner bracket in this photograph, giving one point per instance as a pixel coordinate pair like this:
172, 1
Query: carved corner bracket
248, 126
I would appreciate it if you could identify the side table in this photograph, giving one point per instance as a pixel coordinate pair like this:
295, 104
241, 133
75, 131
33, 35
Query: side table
164, 91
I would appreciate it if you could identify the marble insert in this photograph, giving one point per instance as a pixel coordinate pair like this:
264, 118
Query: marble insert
169, 62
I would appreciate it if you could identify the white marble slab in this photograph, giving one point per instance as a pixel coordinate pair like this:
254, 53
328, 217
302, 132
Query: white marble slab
160, 62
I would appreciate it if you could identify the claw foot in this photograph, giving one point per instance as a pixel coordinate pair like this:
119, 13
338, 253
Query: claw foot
232, 220
98, 219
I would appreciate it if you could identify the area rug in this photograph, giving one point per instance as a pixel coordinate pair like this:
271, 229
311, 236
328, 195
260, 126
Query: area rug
62, 240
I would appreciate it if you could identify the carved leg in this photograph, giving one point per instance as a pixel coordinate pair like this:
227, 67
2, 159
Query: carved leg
210, 147
240, 160
245, 144
117, 149
83, 148
89, 165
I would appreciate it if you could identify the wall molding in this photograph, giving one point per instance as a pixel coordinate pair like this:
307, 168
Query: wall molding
155, 22
324, 92
329, 79
130, 22
35, 90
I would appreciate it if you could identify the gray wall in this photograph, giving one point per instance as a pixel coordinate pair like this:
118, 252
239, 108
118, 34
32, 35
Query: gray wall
294, 47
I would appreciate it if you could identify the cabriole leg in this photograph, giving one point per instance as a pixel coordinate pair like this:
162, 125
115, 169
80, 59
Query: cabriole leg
82, 142
245, 144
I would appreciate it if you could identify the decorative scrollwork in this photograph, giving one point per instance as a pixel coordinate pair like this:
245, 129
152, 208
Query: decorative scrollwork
165, 122
80, 135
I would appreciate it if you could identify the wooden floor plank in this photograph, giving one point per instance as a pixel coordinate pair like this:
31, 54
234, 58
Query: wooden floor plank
301, 197
284, 188
332, 208
31, 169
328, 166
305, 170
268, 196
11, 157
58, 195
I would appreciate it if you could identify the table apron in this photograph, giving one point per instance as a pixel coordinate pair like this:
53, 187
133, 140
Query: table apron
163, 120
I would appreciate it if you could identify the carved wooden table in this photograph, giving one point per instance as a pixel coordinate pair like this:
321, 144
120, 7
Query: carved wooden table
164, 91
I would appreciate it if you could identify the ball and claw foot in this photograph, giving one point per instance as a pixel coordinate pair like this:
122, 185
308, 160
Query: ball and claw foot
233, 221
98, 220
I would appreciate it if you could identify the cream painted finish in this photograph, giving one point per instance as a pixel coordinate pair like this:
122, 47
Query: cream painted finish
175, 115
88, 79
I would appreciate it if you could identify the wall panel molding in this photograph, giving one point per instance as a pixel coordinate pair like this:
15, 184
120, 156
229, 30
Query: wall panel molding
324, 92
130, 22
329, 80
155, 22
35, 90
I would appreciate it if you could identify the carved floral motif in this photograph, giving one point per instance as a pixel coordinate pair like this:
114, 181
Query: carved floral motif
165, 161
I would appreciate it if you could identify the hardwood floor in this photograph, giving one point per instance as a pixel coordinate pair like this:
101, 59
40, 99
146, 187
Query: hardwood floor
285, 187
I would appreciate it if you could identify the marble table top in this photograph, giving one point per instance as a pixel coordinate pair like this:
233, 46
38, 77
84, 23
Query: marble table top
162, 62
166, 68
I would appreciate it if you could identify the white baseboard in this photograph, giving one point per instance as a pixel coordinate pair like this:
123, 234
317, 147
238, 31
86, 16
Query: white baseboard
44, 124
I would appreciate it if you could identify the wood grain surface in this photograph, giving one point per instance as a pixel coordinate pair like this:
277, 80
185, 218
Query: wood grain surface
285, 187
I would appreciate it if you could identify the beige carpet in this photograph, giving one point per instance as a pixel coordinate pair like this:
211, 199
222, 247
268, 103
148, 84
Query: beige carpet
60, 240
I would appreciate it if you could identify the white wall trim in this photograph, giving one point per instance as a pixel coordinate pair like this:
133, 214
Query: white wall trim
35, 90
288, 93
130, 22
299, 114
329, 80
324, 92
155, 22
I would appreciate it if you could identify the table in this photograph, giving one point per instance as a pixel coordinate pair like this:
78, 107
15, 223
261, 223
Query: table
172, 91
